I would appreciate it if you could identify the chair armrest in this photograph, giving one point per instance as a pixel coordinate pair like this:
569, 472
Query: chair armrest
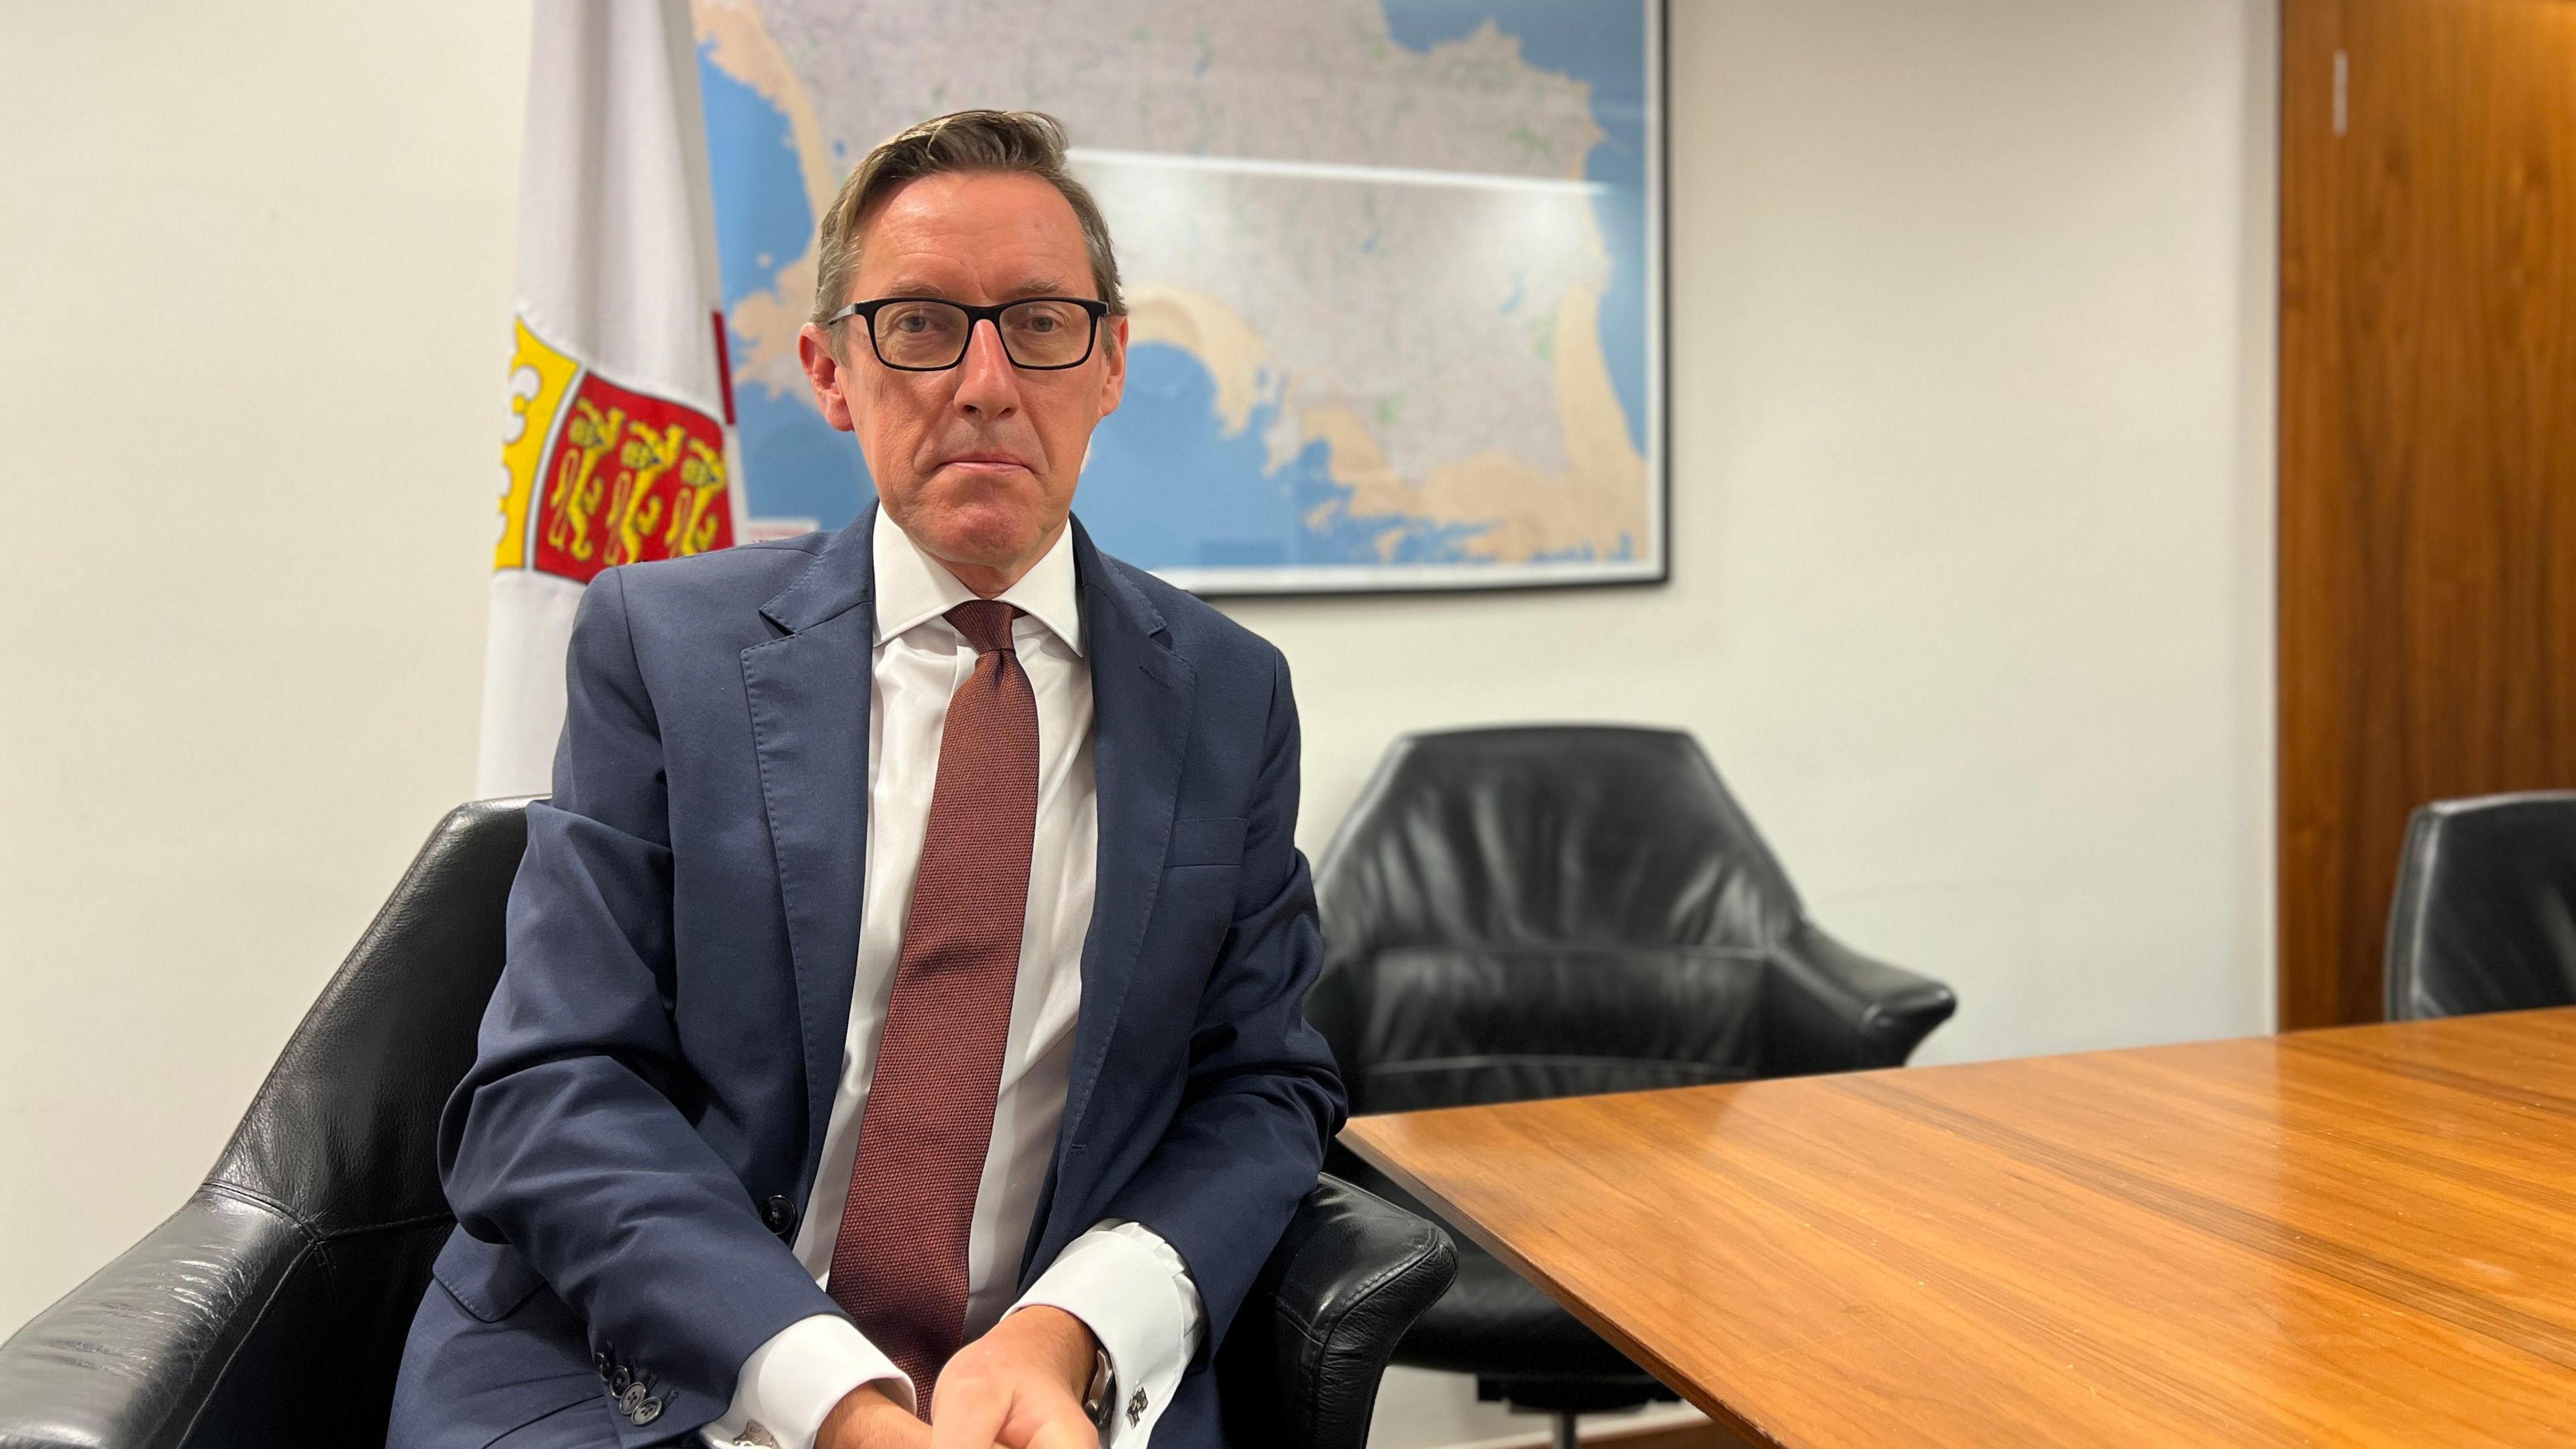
1843, 1011
131, 1358
1301, 1364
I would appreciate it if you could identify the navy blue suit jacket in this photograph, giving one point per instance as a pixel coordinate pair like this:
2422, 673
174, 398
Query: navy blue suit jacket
646, 1112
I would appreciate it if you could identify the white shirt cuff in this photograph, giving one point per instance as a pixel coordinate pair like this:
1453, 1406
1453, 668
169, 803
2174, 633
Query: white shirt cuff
1134, 1293
791, 1384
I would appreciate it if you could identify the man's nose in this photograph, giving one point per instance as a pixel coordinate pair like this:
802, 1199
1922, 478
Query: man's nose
987, 383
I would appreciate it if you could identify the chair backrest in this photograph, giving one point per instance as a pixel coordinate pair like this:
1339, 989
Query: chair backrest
2485, 913
1541, 911
342, 1137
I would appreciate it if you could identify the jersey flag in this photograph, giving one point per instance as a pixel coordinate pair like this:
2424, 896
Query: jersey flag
619, 441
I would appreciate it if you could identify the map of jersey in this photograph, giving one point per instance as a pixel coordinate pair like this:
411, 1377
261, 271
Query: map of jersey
1393, 269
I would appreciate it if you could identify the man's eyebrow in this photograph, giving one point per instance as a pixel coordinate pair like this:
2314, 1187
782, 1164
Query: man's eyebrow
1034, 287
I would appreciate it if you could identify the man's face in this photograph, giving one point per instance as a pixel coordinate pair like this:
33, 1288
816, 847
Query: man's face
977, 463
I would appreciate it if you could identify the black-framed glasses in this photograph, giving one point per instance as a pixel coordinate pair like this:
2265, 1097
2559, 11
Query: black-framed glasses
929, 334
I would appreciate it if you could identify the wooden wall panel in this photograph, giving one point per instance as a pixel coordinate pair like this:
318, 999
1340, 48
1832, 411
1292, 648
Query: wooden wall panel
2427, 447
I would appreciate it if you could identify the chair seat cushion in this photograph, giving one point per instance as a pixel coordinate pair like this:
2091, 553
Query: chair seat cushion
1449, 1026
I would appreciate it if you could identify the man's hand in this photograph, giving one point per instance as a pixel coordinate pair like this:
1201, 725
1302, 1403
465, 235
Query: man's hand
1019, 1386
867, 1419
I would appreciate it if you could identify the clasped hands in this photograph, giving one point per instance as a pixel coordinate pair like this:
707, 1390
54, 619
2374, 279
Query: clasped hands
1020, 1386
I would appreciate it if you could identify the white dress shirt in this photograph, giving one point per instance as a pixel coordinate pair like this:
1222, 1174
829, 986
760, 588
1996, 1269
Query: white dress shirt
1125, 1283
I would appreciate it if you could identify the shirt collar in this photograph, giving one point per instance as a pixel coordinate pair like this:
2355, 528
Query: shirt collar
912, 586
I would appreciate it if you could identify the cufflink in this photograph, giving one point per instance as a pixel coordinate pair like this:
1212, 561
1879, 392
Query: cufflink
1136, 1409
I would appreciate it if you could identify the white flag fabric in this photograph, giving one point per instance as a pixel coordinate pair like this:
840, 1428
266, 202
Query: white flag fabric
619, 446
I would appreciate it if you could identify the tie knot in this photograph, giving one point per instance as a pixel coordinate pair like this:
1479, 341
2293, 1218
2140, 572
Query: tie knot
986, 623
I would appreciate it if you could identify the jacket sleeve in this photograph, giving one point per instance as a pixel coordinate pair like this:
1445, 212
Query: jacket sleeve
1262, 1097
571, 1137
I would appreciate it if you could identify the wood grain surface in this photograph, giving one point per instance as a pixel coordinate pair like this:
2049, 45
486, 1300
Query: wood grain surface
2427, 447
2360, 1236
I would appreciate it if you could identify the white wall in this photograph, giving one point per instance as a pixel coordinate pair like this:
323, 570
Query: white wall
1972, 384
1972, 513
254, 273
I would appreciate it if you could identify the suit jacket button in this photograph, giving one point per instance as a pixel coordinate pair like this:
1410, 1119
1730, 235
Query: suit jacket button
646, 1412
629, 1399
779, 1216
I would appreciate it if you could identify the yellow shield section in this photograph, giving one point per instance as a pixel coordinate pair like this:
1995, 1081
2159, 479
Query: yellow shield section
539, 378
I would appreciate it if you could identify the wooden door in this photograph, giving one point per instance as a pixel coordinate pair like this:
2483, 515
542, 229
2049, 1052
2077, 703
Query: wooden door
2428, 446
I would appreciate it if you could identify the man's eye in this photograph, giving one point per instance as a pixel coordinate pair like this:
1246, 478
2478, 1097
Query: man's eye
911, 322
1042, 323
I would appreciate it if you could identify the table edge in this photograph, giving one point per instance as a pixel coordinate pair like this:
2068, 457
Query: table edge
1455, 1220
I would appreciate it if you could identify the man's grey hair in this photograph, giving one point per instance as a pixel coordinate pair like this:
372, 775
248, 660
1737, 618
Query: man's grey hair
1029, 141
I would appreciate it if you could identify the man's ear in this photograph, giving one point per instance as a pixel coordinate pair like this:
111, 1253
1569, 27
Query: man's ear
825, 373
1113, 383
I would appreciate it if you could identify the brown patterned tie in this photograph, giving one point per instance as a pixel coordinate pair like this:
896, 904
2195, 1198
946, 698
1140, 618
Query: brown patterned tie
899, 1265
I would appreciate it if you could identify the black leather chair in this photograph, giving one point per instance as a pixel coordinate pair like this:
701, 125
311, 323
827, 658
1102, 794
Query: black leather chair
270, 1309
2485, 913
1548, 911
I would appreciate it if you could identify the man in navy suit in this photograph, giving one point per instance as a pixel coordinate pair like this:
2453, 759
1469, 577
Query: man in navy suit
901, 1042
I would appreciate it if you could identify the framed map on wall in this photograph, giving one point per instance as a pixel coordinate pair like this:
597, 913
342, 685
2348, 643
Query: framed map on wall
1395, 268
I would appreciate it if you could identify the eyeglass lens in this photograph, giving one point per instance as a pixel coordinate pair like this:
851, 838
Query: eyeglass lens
930, 335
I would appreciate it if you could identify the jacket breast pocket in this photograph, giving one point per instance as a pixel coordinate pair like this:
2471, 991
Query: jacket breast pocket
1213, 840
488, 1280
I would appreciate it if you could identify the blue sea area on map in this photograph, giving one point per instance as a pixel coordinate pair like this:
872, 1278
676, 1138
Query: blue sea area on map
794, 464
1168, 488
1604, 46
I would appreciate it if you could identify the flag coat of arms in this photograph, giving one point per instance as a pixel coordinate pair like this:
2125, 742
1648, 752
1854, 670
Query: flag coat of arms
619, 443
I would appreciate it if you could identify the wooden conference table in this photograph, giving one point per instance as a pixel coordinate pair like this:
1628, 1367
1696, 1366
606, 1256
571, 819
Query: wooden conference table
2361, 1236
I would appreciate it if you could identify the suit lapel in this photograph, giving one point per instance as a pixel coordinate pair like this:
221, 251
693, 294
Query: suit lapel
1141, 695
809, 694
